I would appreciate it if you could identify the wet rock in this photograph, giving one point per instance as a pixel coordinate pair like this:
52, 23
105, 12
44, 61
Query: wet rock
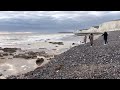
54, 49
1, 55
1, 48
1, 74
59, 43
42, 48
5, 54
25, 56
31, 55
47, 56
39, 61
48, 39
73, 43
10, 58
10, 50
42, 53
11, 54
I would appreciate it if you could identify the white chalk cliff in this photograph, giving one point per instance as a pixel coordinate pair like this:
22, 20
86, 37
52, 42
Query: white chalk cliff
107, 26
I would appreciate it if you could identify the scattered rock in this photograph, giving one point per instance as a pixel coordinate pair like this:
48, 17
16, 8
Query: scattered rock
9, 58
10, 50
73, 43
25, 56
5, 54
42, 48
11, 54
59, 43
1, 74
54, 49
29, 44
1, 55
39, 61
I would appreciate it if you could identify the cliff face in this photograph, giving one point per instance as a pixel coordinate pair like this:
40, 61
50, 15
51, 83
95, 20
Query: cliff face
107, 26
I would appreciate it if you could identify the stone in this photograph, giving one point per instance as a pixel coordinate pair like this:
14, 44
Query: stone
10, 50
1, 74
9, 58
59, 43
1, 55
25, 56
73, 43
39, 61
5, 54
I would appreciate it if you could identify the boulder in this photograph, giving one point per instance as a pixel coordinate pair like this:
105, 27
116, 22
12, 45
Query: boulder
73, 43
39, 61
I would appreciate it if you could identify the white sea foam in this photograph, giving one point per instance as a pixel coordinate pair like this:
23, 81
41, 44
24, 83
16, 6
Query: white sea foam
25, 38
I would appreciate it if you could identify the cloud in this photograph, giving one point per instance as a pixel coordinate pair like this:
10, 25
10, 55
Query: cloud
54, 20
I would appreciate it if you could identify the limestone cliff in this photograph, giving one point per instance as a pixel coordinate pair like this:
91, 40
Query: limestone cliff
107, 26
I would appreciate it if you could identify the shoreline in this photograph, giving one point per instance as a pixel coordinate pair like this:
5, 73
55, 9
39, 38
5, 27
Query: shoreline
9, 63
82, 62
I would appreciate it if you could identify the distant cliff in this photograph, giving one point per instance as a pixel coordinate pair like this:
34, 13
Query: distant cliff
107, 26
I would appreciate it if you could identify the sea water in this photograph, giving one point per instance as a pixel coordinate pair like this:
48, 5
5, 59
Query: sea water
7, 40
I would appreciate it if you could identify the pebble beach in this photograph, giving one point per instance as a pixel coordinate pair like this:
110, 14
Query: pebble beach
83, 62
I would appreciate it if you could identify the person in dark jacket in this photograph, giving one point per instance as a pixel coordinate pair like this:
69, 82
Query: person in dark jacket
91, 39
105, 35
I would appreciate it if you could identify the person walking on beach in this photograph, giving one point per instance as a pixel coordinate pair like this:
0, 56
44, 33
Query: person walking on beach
91, 39
105, 35
85, 39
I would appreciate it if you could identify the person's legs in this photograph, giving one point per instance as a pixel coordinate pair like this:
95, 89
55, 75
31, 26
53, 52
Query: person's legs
91, 42
105, 40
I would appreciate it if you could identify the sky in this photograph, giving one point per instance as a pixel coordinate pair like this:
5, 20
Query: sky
53, 21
